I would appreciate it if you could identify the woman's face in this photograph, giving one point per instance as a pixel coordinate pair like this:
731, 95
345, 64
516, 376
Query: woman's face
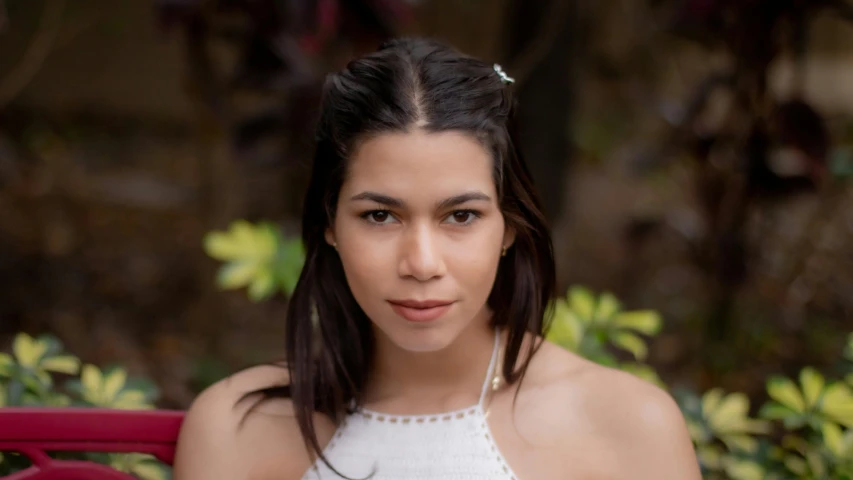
420, 235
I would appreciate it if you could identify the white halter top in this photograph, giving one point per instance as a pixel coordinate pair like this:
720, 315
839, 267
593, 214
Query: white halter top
455, 445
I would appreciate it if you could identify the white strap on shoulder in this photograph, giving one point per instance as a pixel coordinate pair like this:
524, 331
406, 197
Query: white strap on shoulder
492, 364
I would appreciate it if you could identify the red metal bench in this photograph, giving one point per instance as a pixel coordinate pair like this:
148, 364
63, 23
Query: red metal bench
35, 431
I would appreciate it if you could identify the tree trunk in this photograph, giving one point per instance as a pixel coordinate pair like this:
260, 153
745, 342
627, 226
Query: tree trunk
540, 52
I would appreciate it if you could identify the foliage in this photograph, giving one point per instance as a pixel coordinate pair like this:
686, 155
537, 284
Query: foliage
27, 379
805, 430
588, 325
257, 257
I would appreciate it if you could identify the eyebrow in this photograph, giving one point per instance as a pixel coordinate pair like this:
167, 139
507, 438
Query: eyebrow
441, 205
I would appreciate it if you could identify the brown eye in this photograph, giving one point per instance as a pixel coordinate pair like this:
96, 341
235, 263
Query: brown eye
380, 216
464, 217
461, 217
377, 216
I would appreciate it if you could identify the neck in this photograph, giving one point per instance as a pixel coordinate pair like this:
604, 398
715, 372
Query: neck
444, 380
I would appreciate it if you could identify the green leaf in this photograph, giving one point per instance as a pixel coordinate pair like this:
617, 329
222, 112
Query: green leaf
742, 443
262, 285
796, 465
113, 384
582, 303
711, 456
14, 392
289, 264
833, 438
144, 385
242, 241
731, 414
149, 471
36, 381
92, 382
66, 364
738, 469
608, 306
131, 400
848, 350
27, 350
566, 329
222, 246
776, 411
58, 400
52, 344
837, 404
813, 383
631, 343
784, 391
697, 432
6, 364
647, 322
236, 274
711, 400
816, 463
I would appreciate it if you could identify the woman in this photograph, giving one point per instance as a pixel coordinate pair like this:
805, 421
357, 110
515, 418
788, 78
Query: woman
415, 334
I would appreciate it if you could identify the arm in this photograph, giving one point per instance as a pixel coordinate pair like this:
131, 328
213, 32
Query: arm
651, 435
221, 439
207, 440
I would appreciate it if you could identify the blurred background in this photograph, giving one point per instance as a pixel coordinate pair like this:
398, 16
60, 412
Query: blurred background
695, 158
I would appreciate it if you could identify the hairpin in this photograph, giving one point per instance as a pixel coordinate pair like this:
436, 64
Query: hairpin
504, 77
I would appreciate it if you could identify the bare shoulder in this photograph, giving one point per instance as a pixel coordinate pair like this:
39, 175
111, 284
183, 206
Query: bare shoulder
229, 435
637, 426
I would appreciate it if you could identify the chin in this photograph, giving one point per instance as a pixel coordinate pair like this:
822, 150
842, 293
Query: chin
419, 338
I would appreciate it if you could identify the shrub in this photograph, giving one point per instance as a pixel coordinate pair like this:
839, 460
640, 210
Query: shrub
804, 432
27, 378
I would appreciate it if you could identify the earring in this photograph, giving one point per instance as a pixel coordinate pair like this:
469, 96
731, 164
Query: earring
503, 251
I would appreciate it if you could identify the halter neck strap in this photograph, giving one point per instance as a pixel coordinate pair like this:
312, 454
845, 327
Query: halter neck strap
491, 370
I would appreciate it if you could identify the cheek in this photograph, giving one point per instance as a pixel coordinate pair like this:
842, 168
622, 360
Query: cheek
363, 271
367, 268
474, 269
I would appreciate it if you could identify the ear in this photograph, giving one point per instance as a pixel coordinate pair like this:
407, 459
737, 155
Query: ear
330, 236
509, 237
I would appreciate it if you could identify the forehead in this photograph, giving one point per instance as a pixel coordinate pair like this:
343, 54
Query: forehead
408, 164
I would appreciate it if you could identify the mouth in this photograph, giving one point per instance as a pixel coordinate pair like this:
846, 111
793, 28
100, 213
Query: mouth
420, 311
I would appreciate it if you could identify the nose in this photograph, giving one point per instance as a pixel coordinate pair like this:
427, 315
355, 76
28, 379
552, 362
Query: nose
420, 255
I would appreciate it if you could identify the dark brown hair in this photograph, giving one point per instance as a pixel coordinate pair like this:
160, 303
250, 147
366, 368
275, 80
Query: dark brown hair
329, 341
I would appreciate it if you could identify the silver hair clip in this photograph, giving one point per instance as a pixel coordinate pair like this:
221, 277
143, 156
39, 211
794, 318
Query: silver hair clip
504, 77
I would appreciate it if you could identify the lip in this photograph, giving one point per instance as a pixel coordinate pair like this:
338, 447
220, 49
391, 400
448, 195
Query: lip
420, 311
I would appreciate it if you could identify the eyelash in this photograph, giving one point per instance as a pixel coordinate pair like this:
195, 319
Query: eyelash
474, 215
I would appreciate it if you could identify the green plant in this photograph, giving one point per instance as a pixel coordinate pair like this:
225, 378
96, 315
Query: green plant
724, 434
257, 257
816, 418
805, 430
27, 379
590, 326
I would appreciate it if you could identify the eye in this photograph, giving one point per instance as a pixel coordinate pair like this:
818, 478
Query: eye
379, 217
464, 217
